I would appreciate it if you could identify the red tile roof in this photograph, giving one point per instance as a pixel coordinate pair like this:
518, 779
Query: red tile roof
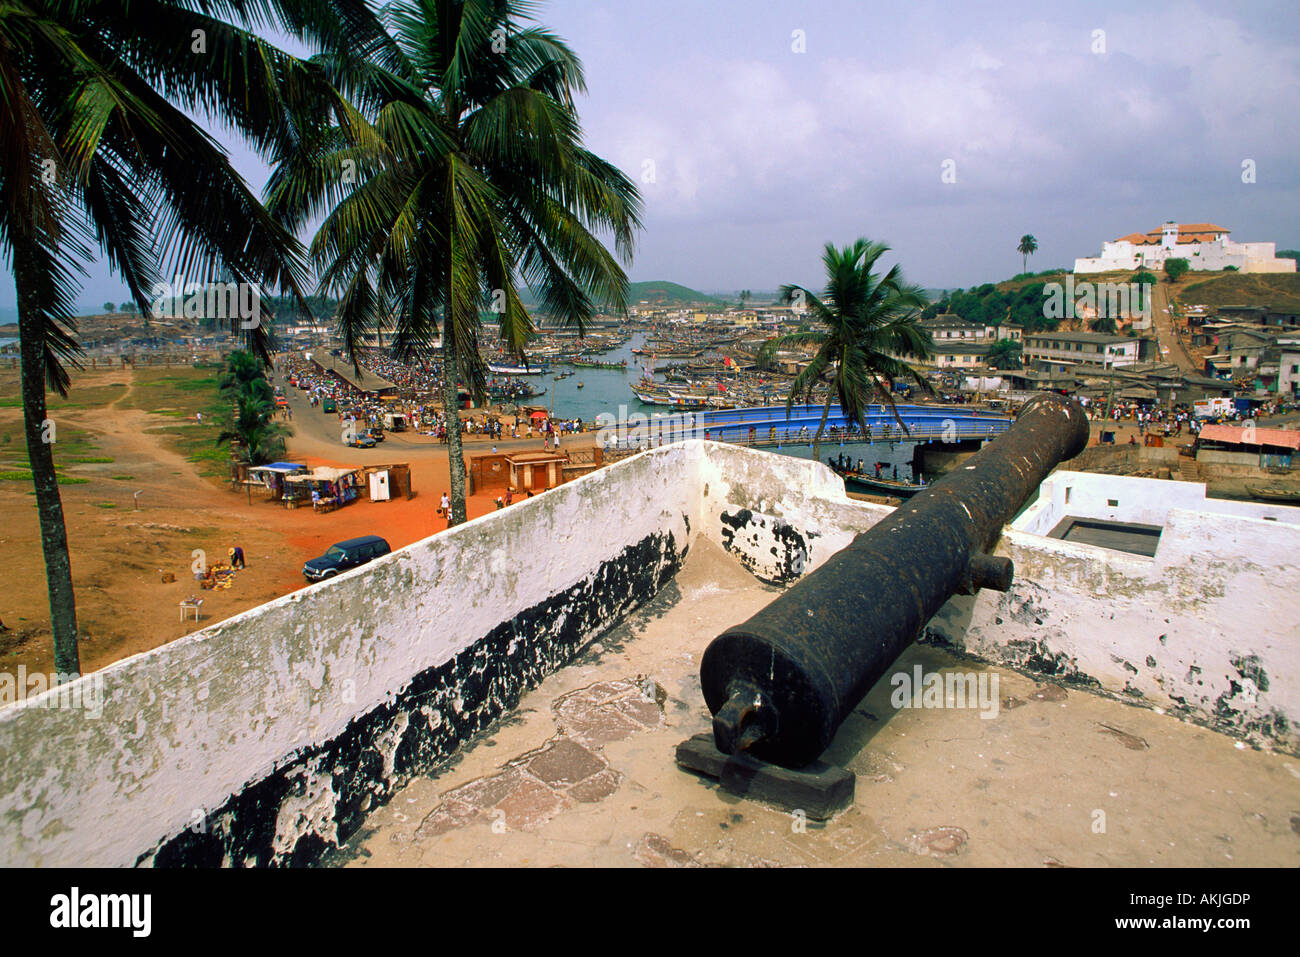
1187, 233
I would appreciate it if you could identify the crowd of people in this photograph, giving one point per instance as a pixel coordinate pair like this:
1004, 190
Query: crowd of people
425, 418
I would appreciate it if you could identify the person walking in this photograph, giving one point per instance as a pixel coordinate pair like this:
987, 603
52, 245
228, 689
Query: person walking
445, 507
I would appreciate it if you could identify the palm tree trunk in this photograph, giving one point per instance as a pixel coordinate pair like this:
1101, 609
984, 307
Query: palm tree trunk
450, 395
40, 452
455, 451
821, 427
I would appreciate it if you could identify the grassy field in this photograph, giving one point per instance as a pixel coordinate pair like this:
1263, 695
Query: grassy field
1279, 290
178, 393
181, 393
72, 446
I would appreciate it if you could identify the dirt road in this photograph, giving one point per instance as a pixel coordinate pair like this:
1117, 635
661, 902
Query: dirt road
123, 545
1167, 338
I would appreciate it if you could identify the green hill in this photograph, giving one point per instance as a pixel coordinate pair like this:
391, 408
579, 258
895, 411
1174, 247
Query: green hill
1018, 300
657, 292
662, 292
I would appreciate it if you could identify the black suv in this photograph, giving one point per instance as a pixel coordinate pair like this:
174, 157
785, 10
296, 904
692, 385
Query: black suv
344, 555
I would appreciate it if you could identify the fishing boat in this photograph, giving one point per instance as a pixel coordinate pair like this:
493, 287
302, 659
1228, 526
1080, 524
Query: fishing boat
594, 364
669, 399
1275, 493
518, 369
855, 481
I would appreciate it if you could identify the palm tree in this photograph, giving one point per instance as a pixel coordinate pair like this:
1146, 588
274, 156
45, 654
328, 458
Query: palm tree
1028, 246
262, 439
244, 373
470, 178
100, 151
864, 326
1005, 354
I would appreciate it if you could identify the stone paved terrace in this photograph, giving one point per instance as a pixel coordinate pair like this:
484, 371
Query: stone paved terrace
582, 772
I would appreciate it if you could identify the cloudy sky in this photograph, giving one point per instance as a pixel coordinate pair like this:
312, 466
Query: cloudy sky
758, 130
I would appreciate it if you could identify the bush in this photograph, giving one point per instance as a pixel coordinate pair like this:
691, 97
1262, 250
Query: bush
1175, 269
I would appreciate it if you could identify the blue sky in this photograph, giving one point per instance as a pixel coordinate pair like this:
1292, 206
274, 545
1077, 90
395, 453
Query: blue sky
761, 154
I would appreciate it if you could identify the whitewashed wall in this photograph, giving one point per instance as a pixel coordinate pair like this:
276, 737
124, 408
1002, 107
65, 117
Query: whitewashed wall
1206, 628
1140, 500
188, 725
245, 718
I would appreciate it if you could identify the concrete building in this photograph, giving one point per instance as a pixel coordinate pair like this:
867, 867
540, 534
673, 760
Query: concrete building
957, 354
1066, 348
948, 328
1288, 377
1268, 317
1205, 246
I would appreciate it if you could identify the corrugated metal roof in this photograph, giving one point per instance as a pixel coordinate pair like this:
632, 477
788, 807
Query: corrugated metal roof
1245, 435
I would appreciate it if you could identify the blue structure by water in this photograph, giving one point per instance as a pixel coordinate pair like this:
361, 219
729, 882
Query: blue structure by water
923, 422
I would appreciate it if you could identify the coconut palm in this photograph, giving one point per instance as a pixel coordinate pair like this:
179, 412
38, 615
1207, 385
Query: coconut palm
98, 150
864, 327
471, 178
244, 374
262, 439
1028, 246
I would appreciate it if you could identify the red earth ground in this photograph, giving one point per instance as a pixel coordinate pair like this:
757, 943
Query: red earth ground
120, 552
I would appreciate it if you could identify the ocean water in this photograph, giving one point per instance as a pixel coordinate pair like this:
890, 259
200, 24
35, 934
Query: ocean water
606, 390
603, 390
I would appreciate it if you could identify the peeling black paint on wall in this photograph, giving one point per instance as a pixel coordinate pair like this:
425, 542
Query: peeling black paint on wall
488, 678
790, 553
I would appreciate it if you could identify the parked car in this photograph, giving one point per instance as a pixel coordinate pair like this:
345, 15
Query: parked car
341, 556
376, 434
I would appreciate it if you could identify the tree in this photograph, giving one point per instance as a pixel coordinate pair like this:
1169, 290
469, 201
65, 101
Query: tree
1175, 269
1144, 280
468, 177
1104, 324
745, 296
100, 150
864, 327
126, 308
109, 308
1005, 354
253, 428
1028, 246
245, 375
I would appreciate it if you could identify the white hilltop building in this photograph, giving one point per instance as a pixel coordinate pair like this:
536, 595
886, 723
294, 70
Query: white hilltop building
1205, 246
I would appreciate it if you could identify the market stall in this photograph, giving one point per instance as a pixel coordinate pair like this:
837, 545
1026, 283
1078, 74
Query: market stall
326, 487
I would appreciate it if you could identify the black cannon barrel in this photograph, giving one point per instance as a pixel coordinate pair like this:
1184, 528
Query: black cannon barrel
780, 684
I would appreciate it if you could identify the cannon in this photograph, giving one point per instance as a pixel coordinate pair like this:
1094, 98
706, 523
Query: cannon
779, 685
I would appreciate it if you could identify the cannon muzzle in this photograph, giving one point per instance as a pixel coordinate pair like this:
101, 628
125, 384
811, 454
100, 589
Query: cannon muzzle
780, 684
